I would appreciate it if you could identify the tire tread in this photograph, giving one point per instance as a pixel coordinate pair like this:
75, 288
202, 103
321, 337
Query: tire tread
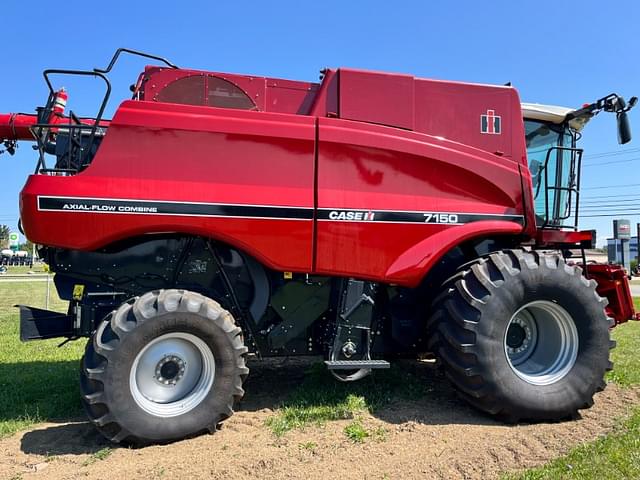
119, 323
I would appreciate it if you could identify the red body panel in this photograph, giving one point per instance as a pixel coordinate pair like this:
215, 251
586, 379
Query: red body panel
613, 284
216, 156
369, 167
552, 238
398, 147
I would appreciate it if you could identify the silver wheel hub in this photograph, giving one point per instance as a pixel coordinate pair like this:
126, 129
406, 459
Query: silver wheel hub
541, 342
172, 374
170, 370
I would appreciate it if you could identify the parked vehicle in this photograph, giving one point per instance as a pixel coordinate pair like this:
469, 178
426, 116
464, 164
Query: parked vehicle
365, 217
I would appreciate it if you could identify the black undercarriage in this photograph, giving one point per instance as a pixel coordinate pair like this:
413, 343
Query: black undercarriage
280, 313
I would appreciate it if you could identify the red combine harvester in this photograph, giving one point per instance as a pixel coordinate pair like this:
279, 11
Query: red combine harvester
368, 216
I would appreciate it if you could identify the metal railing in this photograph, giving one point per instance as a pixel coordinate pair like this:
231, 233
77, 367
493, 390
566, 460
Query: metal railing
79, 134
74, 143
560, 209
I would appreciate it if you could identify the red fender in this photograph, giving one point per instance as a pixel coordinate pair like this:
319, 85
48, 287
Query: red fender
411, 267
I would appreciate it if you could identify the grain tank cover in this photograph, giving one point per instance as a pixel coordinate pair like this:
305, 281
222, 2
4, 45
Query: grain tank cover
487, 117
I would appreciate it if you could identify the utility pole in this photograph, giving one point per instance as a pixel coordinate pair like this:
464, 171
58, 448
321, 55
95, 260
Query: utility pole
638, 243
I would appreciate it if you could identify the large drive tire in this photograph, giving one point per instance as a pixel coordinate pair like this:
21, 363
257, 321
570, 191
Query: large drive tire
522, 335
165, 366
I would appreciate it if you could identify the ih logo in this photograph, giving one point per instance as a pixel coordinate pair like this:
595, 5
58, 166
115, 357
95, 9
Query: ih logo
490, 123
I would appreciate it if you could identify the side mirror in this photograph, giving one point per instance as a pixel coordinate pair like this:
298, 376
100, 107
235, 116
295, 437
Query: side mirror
624, 129
611, 103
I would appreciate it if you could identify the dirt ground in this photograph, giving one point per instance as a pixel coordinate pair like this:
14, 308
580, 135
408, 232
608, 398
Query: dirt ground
436, 437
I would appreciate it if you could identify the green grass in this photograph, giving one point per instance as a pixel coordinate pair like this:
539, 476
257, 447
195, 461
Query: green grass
626, 371
98, 456
356, 432
38, 380
37, 268
615, 457
302, 414
320, 398
310, 446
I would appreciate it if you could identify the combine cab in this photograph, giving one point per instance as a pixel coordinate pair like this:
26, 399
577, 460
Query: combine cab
365, 217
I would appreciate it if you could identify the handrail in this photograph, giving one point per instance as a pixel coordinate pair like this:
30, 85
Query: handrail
133, 52
571, 188
103, 105
78, 148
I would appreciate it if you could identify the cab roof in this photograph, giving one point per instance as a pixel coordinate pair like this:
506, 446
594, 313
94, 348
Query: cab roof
547, 113
553, 114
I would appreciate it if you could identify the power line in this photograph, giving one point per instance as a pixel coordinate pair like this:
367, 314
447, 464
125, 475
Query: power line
610, 153
607, 208
623, 196
610, 215
612, 186
614, 201
620, 212
635, 159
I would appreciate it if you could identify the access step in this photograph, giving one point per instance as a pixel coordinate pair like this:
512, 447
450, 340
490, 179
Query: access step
36, 324
353, 364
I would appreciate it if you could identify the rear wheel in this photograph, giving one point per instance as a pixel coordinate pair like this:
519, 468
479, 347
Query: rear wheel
522, 335
165, 366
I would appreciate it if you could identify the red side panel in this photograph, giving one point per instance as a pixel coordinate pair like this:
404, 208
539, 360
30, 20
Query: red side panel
407, 181
286, 96
456, 112
179, 153
376, 97
485, 116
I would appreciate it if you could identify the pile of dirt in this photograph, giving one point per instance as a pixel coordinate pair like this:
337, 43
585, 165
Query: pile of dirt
438, 436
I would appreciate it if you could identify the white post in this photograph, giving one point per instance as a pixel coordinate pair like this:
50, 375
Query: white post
47, 300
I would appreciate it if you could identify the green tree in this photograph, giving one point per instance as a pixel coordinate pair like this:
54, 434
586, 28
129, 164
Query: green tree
4, 236
27, 246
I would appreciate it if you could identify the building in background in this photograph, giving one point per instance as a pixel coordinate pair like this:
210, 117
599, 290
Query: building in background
614, 250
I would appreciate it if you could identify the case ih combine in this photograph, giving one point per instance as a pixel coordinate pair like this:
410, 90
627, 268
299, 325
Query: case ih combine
366, 217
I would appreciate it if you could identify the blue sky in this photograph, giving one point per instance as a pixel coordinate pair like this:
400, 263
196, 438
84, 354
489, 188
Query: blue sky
564, 53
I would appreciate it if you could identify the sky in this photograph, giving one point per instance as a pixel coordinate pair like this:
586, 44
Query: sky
559, 53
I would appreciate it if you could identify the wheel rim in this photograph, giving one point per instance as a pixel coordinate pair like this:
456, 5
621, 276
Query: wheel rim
172, 374
541, 342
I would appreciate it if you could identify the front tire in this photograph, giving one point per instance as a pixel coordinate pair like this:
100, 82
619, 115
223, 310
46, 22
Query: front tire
165, 366
523, 336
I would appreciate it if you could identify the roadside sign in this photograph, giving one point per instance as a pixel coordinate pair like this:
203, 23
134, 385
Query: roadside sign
14, 241
622, 229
